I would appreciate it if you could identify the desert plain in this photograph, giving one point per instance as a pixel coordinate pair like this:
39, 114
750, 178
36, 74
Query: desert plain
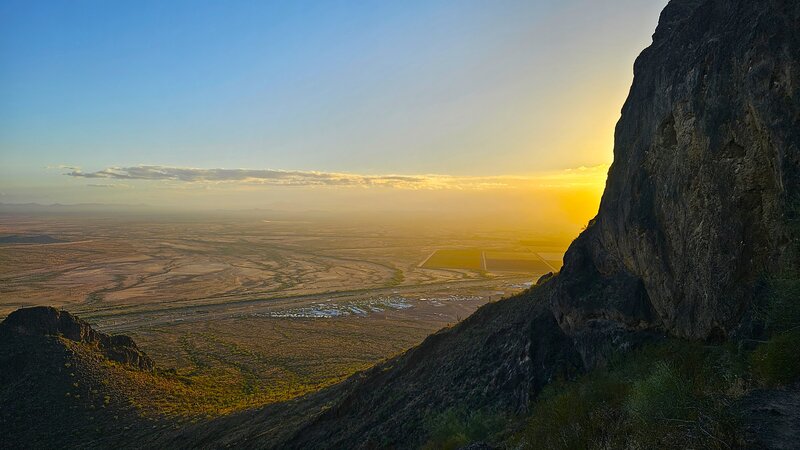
254, 308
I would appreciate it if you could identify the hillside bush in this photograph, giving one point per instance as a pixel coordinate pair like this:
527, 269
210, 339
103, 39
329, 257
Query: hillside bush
457, 427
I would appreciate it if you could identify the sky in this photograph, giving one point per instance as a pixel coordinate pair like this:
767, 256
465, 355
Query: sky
314, 105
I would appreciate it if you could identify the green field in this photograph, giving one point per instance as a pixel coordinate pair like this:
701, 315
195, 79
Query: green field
494, 260
515, 262
471, 259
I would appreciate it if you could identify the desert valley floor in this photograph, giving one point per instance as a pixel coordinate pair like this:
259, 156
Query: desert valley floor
253, 309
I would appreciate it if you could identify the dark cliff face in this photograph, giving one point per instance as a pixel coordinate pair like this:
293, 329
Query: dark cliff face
47, 321
706, 164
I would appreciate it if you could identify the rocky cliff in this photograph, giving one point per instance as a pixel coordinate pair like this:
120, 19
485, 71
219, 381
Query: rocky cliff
705, 178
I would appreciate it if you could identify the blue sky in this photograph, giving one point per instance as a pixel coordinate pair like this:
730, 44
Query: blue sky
460, 88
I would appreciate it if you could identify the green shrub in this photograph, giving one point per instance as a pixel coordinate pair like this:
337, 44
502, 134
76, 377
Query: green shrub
674, 394
455, 428
663, 395
777, 362
574, 415
783, 307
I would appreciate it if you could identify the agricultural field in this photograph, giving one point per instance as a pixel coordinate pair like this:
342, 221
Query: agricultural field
519, 261
249, 309
470, 259
524, 262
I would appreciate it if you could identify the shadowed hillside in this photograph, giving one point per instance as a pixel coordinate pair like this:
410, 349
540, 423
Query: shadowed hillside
64, 384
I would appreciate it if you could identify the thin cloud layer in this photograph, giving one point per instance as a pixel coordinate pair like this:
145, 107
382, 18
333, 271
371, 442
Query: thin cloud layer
584, 176
254, 176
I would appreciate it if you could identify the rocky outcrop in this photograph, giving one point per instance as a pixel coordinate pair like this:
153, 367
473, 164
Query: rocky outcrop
48, 321
58, 389
705, 173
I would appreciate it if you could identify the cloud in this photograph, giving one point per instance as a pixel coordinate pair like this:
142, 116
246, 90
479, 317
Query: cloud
275, 177
63, 167
253, 176
109, 186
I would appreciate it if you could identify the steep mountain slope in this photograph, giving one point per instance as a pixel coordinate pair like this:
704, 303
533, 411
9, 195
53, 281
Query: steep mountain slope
706, 172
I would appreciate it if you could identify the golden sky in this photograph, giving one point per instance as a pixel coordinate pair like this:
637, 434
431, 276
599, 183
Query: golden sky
480, 107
